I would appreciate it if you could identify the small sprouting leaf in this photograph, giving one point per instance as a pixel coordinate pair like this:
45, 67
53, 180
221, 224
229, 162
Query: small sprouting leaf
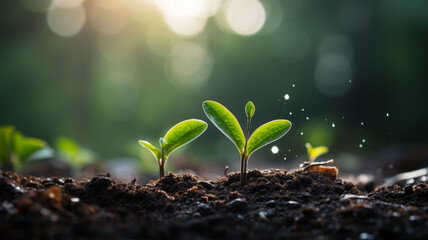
314, 153
183, 133
267, 133
6, 133
153, 149
250, 109
25, 146
226, 122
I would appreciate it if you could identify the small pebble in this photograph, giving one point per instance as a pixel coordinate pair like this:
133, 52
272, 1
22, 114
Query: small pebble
238, 204
206, 185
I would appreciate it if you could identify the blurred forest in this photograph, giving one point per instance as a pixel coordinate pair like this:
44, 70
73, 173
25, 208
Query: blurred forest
350, 75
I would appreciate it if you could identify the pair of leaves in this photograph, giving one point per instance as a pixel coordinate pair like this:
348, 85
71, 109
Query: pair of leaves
15, 142
179, 135
226, 122
315, 152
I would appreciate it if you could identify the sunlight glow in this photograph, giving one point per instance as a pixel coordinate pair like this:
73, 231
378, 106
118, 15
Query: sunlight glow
66, 22
187, 17
245, 17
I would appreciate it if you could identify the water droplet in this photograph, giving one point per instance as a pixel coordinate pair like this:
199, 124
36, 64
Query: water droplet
285, 158
362, 123
289, 150
291, 113
333, 125
274, 149
387, 114
325, 119
296, 155
366, 236
286, 96
303, 109
343, 117
410, 181
364, 140
350, 80
307, 118
293, 85
423, 178
301, 133
361, 145
391, 166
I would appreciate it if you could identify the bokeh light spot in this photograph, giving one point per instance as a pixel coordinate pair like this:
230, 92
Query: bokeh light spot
66, 22
245, 17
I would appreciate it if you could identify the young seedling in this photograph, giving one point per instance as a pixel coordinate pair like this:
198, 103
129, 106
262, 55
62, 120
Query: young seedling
226, 122
15, 148
179, 135
313, 154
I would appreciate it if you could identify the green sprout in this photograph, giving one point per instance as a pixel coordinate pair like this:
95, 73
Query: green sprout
226, 122
75, 155
179, 135
15, 148
315, 152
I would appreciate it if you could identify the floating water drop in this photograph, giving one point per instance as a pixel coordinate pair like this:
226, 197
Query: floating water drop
291, 113
325, 119
274, 149
307, 118
303, 109
391, 166
296, 155
361, 145
387, 114
289, 150
285, 158
343, 117
301, 133
362, 123
364, 140
286, 96
333, 125
293, 85
350, 81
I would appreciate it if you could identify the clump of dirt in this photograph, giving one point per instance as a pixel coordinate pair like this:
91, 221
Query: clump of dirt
274, 205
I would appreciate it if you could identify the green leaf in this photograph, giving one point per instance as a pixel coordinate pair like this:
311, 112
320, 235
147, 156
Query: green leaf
267, 133
183, 133
73, 154
6, 133
153, 149
162, 143
25, 146
250, 109
314, 153
224, 120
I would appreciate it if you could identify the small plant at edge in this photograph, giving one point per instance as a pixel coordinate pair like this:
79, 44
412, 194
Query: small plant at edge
226, 122
179, 135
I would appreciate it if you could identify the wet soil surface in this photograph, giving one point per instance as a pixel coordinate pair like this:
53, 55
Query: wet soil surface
274, 205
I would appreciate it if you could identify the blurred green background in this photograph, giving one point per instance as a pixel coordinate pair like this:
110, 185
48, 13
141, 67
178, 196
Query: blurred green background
106, 73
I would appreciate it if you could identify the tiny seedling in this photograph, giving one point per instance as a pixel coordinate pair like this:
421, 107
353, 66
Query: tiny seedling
15, 148
315, 152
226, 122
179, 135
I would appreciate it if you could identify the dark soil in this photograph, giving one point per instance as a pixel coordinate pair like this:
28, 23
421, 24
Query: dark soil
274, 205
